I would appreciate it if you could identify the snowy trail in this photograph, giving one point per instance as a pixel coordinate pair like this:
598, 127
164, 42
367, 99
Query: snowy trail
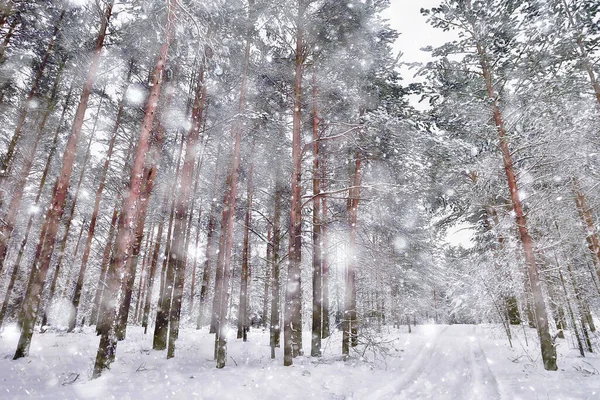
450, 366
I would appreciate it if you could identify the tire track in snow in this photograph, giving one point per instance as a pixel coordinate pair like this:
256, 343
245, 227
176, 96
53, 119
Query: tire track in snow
453, 368
414, 370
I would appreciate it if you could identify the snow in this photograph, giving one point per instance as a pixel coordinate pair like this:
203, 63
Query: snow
434, 362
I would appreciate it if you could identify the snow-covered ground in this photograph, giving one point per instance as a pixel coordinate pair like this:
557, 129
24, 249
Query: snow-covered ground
433, 362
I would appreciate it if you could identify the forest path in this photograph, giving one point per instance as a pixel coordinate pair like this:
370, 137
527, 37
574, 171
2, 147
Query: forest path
451, 365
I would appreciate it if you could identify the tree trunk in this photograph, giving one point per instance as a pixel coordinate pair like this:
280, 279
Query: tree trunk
16, 200
275, 331
63, 243
177, 258
100, 315
153, 264
324, 251
19, 186
229, 204
126, 228
547, 347
292, 328
590, 230
39, 192
210, 256
317, 262
349, 337
92, 228
161, 325
243, 320
267, 282
572, 316
55, 211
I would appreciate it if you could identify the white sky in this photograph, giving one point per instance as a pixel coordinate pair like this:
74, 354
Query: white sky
415, 33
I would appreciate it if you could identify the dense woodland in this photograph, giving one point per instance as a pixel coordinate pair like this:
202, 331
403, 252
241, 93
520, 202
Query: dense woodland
261, 164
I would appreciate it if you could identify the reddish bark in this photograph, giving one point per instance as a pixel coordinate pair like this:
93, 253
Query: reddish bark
547, 347
65, 238
177, 258
126, 228
16, 200
591, 235
55, 211
292, 330
19, 186
102, 180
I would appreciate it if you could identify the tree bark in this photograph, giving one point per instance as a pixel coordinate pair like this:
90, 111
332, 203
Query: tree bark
325, 331
104, 172
317, 266
65, 238
161, 325
19, 186
126, 228
210, 256
230, 198
292, 330
55, 211
243, 320
349, 336
275, 331
177, 257
547, 347
16, 200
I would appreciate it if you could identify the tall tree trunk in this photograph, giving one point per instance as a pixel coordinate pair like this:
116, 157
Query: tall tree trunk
572, 316
146, 185
317, 266
177, 258
161, 325
210, 256
324, 251
126, 228
243, 319
63, 243
292, 325
16, 200
143, 278
102, 180
275, 331
350, 319
100, 314
7, 159
41, 186
267, 282
547, 347
510, 300
153, 264
19, 186
57, 204
230, 198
